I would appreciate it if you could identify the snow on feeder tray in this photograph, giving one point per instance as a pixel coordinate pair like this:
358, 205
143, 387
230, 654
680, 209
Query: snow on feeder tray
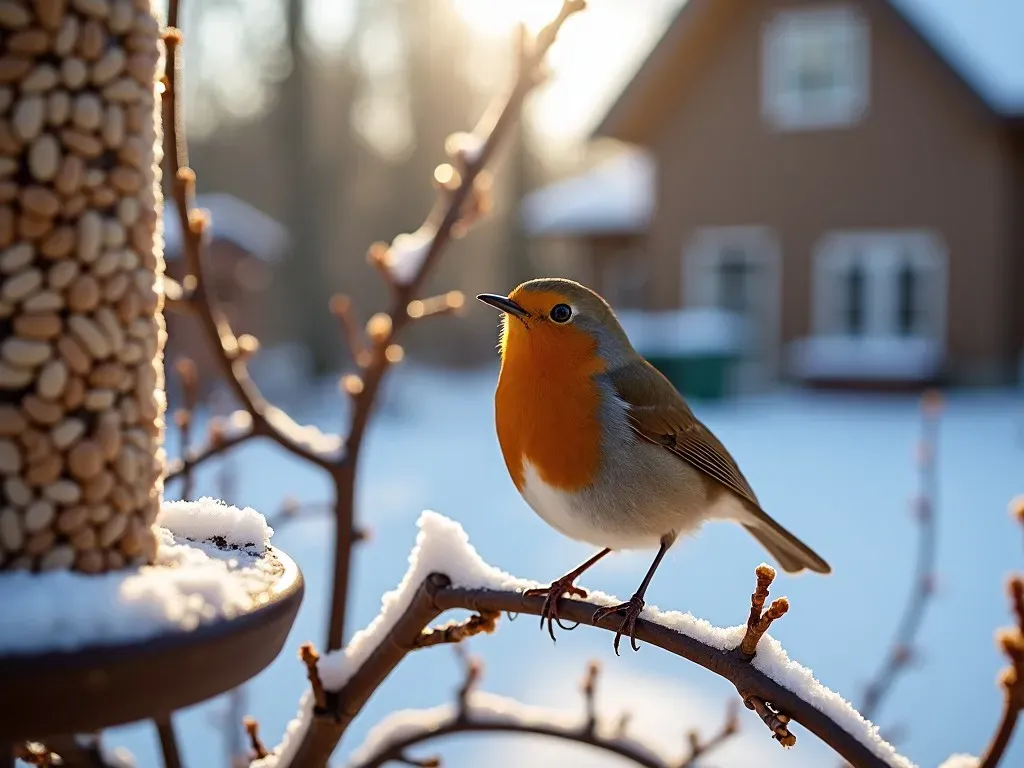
80, 652
697, 349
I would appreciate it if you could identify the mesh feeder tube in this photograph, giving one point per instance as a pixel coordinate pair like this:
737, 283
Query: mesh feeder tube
81, 306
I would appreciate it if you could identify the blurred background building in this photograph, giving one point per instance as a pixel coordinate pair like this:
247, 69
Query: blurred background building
772, 194
787, 191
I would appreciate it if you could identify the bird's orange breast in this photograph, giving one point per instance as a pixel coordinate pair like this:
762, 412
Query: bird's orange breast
547, 405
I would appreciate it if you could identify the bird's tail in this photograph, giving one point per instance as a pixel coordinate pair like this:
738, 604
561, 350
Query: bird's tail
791, 553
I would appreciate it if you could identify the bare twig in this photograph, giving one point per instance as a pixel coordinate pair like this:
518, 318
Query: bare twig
474, 713
458, 202
341, 308
758, 622
184, 416
252, 729
777, 722
267, 421
700, 747
457, 631
901, 651
309, 657
180, 468
168, 742
1011, 679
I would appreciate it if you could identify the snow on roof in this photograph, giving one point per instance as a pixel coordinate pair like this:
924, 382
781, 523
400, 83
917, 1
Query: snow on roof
981, 39
614, 197
230, 219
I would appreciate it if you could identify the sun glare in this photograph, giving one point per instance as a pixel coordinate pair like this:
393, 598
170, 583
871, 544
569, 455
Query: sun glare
499, 17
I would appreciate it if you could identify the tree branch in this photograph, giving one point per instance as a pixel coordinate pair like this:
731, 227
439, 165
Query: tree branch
775, 704
168, 742
267, 421
461, 199
1012, 678
901, 651
477, 712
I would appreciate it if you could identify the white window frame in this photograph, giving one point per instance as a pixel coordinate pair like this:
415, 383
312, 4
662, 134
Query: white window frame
786, 107
761, 246
883, 253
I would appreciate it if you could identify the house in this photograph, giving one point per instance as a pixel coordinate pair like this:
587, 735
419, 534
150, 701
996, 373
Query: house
848, 175
243, 247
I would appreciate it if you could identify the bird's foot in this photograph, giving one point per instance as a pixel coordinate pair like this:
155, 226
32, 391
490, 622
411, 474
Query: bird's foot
632, 610
549, 611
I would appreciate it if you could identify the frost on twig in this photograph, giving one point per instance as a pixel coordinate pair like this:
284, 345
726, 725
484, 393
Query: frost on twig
477, 712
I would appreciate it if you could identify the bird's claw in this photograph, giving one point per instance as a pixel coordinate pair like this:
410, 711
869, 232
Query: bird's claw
628, 626
549, 611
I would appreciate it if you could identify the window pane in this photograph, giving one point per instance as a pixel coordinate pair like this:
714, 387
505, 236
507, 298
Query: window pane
855, 283
907, 300
732, 281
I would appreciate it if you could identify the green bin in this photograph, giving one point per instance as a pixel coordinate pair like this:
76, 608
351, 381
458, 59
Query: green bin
699, 376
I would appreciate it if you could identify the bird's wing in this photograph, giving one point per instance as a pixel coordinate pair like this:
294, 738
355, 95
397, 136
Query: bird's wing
658, 413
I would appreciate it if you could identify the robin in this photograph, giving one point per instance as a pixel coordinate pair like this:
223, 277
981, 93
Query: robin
604, 449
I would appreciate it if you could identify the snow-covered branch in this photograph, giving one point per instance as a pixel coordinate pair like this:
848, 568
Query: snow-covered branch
475, 711
447, 573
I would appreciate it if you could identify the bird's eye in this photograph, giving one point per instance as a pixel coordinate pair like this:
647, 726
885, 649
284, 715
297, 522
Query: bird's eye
561, 313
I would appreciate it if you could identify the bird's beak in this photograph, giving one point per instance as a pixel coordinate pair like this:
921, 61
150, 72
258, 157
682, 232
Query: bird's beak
504, 304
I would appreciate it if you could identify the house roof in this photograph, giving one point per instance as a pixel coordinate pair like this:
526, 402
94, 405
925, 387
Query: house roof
231, 219
978, 39
614, 197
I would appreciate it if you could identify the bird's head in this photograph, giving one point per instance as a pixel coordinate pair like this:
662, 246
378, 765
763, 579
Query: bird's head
555, 315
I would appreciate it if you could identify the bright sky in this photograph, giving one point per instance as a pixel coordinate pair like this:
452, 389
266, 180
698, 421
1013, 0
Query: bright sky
595, 54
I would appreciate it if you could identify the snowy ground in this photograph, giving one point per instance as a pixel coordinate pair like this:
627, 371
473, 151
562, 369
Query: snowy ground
837, 469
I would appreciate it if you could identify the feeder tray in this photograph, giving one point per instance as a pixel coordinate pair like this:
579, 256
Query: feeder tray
99, 686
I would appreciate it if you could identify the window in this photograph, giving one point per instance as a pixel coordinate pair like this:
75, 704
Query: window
880, 284
854, 298
738, 269
624, 278
815, 68
733, 284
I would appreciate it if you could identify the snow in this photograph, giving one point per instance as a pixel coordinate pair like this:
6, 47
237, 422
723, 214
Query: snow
465, 145
867, 357
684, 332
408, 251
960, 761
190, 584
981, 40
443, 546
483, 707
836, 468
231, 219
284, 752
207, 518
614, 197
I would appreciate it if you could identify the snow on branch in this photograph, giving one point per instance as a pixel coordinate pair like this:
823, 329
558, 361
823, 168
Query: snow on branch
475, 711
446, 573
